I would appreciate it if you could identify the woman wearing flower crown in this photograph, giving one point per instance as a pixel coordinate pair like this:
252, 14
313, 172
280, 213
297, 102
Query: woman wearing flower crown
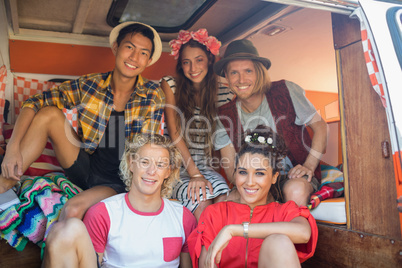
253, 231
190, 110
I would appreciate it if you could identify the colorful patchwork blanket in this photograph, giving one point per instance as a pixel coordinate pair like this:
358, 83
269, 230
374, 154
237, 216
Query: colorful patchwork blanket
331, 186
41, 201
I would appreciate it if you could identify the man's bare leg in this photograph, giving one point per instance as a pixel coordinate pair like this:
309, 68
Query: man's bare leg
69, 245
49, 122
79, 204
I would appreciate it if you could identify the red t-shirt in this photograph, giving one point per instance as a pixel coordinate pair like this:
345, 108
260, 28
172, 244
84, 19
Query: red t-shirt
218, 215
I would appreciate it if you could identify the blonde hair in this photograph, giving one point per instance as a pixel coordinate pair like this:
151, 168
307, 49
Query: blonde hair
263, 82
175, 160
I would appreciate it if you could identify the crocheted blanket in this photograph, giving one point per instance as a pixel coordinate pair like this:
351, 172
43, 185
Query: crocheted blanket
42, 199
331, 186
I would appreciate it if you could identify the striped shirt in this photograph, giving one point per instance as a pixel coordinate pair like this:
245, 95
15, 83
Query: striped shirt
197, 142
92, 96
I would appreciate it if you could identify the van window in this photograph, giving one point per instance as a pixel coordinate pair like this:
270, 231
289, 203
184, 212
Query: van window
166, 16
394, 20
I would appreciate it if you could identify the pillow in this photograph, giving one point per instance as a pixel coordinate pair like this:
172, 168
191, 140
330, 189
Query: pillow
331, 211
26, 87
331, 186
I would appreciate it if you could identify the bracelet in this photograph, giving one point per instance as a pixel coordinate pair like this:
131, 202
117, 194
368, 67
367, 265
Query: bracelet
245, 229
197, 176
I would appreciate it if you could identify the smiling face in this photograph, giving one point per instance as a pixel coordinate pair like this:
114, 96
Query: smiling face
149, 167
132, 55
194, 62
254, 178
242, 77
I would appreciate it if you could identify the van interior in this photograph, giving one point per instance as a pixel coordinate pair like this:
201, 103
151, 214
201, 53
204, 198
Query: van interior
58, 39
65, 39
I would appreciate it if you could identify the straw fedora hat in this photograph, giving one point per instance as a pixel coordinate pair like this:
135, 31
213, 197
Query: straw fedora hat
157, 40
239, 50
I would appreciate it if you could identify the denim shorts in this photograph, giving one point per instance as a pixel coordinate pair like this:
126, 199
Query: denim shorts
80, 174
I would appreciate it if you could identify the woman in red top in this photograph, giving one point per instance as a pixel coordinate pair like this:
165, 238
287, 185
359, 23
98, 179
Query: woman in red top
254, 231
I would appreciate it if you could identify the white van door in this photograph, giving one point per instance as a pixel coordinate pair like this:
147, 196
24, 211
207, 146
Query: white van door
381, 24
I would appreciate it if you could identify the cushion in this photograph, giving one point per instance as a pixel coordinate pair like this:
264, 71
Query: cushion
327, 205
26, 87
331, 211
331, 186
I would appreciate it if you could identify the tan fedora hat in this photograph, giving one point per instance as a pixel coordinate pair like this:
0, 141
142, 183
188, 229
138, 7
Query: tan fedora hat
157, 40
239, 50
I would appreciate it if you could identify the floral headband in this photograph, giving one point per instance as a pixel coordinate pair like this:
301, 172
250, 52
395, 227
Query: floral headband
201, 36
255, 137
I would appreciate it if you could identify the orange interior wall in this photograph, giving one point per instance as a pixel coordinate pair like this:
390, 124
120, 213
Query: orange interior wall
322, 99
64, 59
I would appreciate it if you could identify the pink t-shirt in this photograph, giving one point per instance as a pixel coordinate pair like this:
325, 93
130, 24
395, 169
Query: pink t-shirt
128, 237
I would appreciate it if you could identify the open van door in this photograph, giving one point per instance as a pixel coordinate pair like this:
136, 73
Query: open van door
381, 27
368, 44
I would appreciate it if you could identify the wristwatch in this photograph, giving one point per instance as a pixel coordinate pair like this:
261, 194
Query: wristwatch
245, 229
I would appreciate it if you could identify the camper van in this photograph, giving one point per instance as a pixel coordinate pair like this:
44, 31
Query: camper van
346, 55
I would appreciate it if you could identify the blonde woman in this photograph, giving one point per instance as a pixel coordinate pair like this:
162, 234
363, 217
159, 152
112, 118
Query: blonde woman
140, 228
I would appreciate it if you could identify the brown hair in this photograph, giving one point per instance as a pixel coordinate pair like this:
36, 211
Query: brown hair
272, 147
185, 97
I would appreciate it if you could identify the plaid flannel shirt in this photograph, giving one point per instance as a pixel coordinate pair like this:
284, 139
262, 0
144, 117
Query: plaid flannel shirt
92, 96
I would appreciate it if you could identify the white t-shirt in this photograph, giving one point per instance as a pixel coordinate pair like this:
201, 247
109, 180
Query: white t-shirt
131, 238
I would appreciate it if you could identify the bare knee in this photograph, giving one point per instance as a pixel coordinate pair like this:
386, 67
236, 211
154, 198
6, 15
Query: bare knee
73, 209
275, 242
277, 250
298, 190
49, 114
63, 235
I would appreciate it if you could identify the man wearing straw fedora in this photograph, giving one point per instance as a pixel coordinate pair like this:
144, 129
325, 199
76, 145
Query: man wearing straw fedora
105, 102
282, 106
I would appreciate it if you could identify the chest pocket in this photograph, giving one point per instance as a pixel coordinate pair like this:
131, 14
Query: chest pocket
171, 248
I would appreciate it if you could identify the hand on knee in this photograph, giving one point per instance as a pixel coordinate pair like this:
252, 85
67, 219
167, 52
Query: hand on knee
298, 190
